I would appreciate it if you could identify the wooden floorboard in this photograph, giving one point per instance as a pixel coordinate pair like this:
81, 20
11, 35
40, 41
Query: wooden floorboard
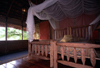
34, 63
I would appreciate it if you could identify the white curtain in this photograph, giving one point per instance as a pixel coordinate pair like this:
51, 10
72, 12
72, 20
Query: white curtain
37, 10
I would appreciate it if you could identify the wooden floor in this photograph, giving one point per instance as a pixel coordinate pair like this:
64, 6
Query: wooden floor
24, 63
35, 63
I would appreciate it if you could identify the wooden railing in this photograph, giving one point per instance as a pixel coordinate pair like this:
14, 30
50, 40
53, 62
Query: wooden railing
40, 49
78, 31
83, 46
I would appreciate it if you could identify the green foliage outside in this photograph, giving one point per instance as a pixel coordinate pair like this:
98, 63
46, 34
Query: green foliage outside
2, 33
12, 34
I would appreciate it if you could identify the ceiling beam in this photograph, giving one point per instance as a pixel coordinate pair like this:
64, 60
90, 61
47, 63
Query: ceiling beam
9, 8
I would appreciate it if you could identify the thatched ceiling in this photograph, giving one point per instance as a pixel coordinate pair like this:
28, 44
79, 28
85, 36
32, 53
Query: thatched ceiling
13, 8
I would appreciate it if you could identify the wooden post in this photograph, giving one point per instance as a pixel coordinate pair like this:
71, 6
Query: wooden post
33, 49
67, 31
62, 53
46, 52
39, 49
29, 51
83, 56
87, 33
83, 32
64, 32
75, 55
55, 55
70, 31
80, 32
93, 56
51, 53
56, 35
73, 32
42, 51
60, 33
67, 53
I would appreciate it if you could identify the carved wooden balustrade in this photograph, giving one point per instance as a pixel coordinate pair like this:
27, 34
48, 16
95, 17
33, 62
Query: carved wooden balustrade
83, 46
78, 31
40, 49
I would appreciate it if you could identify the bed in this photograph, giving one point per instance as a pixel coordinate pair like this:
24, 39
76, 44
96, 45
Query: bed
78, 48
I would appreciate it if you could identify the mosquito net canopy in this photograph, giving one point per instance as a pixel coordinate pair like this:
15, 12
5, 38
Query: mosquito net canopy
57, 10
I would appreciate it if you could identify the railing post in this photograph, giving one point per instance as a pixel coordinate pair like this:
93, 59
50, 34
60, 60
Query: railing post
93, 56
51, 54
70, 31
55, 54
29, 50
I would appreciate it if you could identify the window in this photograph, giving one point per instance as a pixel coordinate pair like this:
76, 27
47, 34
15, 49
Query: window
14, 34
2, 33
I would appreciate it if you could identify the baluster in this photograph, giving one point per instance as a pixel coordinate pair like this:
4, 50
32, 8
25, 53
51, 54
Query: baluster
83, 56
51, 53
80, 32
35, 49
67, 31
93, 56
83, 32
61, 34
73, 33
86, 51
87, 32
75, 55
46, 52
64, 32
55, 55
39, 49
67, 54
32, 49
58, 34
70, 31
62, 53
77, 34
42, 50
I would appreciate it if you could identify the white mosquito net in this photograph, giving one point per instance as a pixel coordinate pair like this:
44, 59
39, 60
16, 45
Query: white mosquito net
57, 10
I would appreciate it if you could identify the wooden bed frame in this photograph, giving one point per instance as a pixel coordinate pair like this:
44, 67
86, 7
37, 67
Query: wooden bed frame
78, 31
41, 48
83, 56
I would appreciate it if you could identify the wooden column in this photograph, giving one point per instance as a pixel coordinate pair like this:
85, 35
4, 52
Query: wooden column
55, 55
51, 53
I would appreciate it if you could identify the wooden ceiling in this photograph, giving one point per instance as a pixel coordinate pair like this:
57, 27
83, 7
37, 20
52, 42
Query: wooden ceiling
13, 8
